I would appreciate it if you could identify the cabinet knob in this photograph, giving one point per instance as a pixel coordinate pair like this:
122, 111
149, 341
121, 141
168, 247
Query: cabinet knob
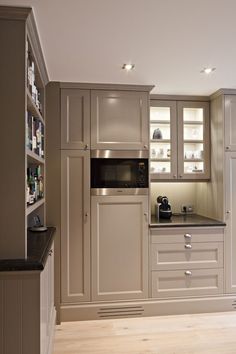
86, 217
180, 176
86, 147
188, 247
227, 147
227, 211
145, 146
188, 272
174, 176
188, 236
50, 252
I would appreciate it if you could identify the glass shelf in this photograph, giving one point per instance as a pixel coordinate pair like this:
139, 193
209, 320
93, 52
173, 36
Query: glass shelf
193, 115
160, 167
160, 114
193, 132
194, 167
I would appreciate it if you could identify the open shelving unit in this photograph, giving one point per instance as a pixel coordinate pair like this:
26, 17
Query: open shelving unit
20, 36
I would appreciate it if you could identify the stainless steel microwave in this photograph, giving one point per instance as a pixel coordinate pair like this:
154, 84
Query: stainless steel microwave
119, 172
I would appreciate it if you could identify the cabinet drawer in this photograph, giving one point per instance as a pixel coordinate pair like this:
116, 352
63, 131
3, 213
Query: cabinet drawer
189, 282
179, 256
180, 235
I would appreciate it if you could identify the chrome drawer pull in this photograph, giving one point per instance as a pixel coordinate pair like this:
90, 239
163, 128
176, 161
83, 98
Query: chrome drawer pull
188, 236
188, 247
188, 272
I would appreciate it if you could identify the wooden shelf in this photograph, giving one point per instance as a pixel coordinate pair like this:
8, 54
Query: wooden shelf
34, 206
192, 122
158, 141
191, 141
34, 158
31, 106
193, 160
160, 122
160, 159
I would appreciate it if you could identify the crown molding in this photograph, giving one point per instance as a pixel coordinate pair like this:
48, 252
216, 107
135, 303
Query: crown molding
14, 13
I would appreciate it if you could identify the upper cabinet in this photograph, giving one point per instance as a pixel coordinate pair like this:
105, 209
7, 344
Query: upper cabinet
230, 122
119, 120
179, 136
163, 140
193, 140
75, 122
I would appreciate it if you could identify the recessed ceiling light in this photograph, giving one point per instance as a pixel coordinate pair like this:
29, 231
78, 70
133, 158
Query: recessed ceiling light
128, 67
207, 70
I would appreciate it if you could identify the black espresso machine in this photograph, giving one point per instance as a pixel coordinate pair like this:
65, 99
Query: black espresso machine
163, 208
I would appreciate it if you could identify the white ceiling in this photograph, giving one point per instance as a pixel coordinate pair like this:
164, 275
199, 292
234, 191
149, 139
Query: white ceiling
169, 41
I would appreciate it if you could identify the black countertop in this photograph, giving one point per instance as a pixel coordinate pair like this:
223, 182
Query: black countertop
38, 247
185, 220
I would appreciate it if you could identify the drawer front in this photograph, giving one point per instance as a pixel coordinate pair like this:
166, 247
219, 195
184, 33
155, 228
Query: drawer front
189, 282
180, 235
180, 256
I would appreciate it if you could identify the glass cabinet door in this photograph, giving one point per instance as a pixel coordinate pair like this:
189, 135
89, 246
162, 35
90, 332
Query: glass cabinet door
163, 140
193, 140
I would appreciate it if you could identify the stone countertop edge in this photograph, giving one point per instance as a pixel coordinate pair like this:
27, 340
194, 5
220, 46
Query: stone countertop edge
38, 247
192, 220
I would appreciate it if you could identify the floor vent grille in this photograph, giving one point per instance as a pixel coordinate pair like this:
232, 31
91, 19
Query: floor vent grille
234, 304
122, 311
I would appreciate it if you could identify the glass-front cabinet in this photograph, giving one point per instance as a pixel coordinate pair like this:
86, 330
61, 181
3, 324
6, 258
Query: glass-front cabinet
163, 140
179, 140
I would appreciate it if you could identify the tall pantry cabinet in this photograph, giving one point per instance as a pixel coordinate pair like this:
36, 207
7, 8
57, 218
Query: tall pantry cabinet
223, 112
85, 117
75, 195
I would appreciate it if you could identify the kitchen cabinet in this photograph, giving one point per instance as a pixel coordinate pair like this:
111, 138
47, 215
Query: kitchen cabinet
27, 302
163, 147
75, 119
230, 211
119, 120
179, 140
187, 261
191, 282
223, 110
119, 247
230, 122
22, 127
75, 226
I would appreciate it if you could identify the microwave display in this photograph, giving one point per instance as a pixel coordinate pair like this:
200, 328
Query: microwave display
119, 173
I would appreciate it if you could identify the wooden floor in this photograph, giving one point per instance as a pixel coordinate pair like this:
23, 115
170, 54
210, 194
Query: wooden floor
185, 334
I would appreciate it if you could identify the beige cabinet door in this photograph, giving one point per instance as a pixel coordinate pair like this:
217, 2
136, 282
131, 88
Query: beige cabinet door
163, 140
75, 119
119, 228
119, 120
230, 237
230, 122
75, 226
193, 140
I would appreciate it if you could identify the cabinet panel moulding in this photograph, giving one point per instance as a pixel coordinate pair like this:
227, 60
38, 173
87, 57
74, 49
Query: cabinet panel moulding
179, 98
14, 13
105, 86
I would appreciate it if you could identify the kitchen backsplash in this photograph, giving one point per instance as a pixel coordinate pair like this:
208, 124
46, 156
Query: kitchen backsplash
177, 193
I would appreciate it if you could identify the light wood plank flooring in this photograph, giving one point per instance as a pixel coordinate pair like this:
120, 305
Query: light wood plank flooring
183, 334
